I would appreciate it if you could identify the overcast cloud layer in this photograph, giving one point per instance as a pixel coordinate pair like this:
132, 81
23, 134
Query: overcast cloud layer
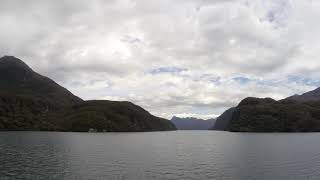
181, 57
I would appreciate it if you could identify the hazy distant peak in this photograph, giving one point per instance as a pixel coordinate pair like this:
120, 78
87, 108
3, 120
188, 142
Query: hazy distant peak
187, 118
191, 123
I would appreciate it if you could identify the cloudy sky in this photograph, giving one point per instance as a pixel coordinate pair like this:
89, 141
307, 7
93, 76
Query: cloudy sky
181, 57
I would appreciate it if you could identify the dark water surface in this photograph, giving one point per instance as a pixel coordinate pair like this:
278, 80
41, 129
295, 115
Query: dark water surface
159, 155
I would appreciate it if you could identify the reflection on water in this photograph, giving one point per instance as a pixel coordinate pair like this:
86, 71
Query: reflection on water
159, 155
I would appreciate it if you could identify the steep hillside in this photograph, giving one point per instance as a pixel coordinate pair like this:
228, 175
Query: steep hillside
268, 115
298, 113
18, 79
308, 96
29, 101
223, 120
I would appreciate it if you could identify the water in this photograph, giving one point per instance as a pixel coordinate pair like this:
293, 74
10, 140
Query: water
159, 155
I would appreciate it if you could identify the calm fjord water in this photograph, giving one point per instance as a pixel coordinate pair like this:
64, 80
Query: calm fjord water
159, 155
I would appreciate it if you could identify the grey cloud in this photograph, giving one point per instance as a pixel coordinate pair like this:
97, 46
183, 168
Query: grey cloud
110, 48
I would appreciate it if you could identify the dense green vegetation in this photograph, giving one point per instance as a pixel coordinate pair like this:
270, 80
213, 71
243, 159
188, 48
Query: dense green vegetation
22, 113
268, 115
29, 101
112, 116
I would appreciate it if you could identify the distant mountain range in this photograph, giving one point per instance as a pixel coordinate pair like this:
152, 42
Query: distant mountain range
30, 101
191, 123
298, 113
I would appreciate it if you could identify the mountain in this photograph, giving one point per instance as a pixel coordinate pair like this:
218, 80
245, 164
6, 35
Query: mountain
308, 96
112, 116
298, 113
192, 123
269, 115
30, 101
223, 120
18, 79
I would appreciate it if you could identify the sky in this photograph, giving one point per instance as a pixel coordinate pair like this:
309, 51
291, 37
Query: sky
182, 57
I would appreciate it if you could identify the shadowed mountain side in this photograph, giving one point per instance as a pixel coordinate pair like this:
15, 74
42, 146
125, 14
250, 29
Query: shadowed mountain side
18, 79
223, 120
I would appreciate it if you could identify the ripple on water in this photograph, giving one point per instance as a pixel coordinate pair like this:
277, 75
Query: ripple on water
160, 155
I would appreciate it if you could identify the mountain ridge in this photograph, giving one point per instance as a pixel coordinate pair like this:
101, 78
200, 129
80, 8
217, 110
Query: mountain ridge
298, 113
17, 78
30, 101
313, 95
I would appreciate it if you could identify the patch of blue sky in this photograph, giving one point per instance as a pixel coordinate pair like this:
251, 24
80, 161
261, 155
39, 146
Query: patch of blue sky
210, 78
130, 39
171, 70
304, 80
296, 79
242, 80
277, 14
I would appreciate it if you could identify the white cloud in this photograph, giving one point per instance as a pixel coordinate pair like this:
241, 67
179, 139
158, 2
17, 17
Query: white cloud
201, 116
112, 49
